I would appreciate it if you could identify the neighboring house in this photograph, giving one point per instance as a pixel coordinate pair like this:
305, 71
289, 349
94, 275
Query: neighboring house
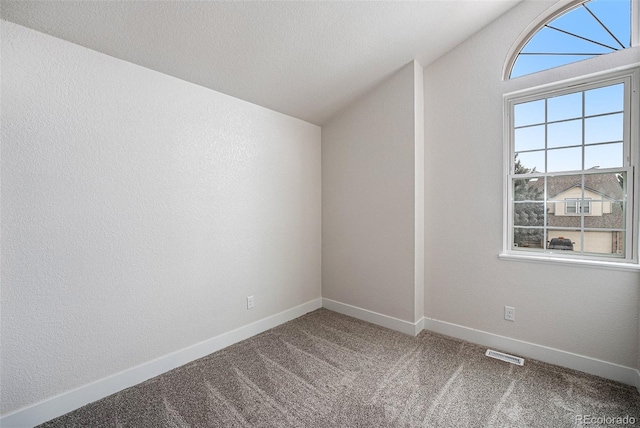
600, 206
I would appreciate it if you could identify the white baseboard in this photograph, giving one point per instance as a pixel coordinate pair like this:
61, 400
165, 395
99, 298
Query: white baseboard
558, 357
396, 324
74, 399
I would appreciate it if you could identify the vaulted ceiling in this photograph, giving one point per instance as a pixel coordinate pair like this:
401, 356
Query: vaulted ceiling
305, 59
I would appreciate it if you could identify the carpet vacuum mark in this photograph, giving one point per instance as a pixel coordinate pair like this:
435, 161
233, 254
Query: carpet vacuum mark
329, 370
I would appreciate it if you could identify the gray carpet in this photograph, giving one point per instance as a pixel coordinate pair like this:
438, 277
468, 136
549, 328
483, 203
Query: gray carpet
329, 370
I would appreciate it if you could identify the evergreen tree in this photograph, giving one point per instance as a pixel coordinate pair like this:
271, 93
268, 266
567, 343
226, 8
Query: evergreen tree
527, 213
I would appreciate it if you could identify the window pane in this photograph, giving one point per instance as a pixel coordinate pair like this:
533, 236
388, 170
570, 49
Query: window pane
580, 21
609, 99
603, 129
528, 189
611, 185
526, 239
605, 242
616, 16
529, 161
563, 240
530, 138
605, 214
528, 214
530, 113
563, 192
603, 156
603, 205
564, 159
608, 207
564, 107
564, 134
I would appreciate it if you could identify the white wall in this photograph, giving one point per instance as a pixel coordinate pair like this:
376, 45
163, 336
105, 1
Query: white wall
138, 212
594, 312
369, 200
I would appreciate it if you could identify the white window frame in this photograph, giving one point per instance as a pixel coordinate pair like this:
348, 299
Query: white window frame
563, 6
632, 162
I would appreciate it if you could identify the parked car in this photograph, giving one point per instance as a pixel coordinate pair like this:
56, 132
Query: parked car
561, 243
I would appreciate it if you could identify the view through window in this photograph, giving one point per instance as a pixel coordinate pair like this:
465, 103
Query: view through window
590, 29
570, 168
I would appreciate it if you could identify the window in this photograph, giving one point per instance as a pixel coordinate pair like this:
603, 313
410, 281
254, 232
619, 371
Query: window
577, 206
570, 162
579, 31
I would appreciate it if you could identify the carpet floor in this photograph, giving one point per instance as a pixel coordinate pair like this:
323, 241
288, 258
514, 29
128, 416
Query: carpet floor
329, 370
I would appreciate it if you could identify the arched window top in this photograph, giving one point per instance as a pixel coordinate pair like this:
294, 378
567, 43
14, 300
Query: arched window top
580, 30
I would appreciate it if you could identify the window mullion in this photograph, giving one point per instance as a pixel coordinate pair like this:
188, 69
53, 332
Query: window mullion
582, 178
559, 156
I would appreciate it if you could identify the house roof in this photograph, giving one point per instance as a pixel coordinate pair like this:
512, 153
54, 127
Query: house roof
606, 185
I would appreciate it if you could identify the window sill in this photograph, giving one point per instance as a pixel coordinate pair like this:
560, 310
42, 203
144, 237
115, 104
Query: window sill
628, 266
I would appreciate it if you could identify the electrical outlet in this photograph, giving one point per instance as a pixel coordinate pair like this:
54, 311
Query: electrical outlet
250, 302
509, 313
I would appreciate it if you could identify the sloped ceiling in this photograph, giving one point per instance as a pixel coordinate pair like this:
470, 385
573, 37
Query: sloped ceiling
305, 59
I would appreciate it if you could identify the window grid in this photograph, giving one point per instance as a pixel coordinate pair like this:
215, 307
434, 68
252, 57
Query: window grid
625, 232
531, 53
583, 118
545, 202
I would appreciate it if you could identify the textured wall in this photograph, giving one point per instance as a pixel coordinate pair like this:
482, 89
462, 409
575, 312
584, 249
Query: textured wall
418, 112
587, 311
308, 59
138, 212
368, 200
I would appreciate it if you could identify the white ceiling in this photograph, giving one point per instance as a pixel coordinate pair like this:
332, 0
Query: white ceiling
305, 59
